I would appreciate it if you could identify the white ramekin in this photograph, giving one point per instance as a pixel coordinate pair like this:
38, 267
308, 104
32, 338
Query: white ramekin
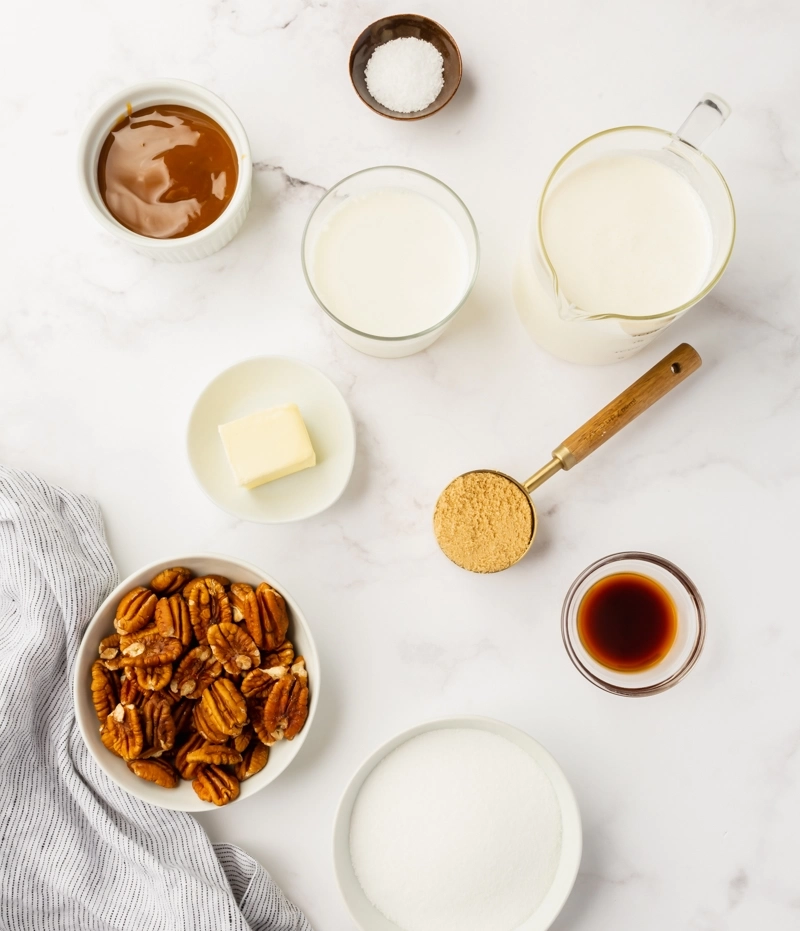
167, 90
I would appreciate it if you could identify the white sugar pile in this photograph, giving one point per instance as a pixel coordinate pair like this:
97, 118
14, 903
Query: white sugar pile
405, 75
456, 830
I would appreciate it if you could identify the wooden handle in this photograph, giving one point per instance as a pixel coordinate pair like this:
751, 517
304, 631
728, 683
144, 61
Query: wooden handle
674, 368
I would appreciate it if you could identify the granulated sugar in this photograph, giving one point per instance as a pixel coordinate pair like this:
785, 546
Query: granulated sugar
456, 830
405, 75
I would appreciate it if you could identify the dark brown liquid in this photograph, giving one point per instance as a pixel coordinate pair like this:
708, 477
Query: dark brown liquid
627, 622
167, 171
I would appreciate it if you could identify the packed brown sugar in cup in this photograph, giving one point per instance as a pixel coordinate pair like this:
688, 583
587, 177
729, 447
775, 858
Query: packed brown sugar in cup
483, 522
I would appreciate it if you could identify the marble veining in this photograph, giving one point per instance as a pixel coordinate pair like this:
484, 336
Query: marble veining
690, 800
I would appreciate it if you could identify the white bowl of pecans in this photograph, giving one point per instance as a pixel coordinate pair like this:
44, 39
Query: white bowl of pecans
196, 682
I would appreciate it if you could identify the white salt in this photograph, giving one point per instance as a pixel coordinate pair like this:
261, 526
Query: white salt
405, 75
456, 830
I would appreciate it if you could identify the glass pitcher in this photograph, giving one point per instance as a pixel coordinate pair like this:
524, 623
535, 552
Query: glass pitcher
597, 332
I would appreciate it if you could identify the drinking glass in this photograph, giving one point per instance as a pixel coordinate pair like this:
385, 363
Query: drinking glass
368, 181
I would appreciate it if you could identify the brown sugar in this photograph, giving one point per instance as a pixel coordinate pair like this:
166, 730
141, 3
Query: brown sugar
483, 522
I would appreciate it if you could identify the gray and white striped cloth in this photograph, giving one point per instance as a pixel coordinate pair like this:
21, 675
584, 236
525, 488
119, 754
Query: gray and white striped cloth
76, 851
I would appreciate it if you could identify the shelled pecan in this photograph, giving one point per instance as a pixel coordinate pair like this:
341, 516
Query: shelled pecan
208, 605
160, 772
169, 581
214, 784
122, 733
135, 611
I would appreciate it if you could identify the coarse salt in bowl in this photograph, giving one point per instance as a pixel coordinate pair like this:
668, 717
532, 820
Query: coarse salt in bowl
406, 74
361, 827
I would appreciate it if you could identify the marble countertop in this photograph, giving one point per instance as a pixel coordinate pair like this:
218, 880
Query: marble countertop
691, 799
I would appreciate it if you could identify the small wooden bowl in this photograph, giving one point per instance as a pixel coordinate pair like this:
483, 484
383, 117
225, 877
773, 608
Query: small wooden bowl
404, 26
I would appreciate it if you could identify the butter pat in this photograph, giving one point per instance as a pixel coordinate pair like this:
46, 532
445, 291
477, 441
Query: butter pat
267, 445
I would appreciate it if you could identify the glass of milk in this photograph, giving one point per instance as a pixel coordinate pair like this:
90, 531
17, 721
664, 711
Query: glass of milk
634, 226
391, 255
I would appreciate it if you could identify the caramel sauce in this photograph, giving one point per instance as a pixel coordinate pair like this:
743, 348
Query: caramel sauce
167, 171
627, 622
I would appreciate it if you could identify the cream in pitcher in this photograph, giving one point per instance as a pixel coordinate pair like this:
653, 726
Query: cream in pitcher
634, 226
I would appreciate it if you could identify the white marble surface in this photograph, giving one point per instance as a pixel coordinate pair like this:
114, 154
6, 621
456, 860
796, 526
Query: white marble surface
691, 800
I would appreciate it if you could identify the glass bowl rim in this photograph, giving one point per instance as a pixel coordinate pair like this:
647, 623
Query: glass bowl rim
697, 646
409, 336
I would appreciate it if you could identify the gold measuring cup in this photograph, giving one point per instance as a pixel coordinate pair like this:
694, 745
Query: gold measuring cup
485, 520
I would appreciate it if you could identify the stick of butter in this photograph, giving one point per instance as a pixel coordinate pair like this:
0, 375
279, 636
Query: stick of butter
267, 445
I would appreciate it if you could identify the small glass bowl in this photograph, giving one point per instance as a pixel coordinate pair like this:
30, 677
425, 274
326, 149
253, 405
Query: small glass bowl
365, 182
689, 638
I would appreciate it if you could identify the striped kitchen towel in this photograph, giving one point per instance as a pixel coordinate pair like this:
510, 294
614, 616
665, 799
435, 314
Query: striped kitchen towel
77, 853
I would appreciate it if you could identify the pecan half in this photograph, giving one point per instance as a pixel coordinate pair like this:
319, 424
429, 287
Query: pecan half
169, 581
286, 707
283, 656
277, 707
182, 715
220, 754
297, 712
158, 771
222, 709
105, 691
243, 600
254, 760
159, 726
298, 669
255, 708
197, 670
257, 686
184, 767
205, 726
122, 732
208, 604
149, 648
109, 651
242, 742
233, 647
274, 617
130, 692
135, 611
264, 614
213, 784
172, 618
258, 682
153, 678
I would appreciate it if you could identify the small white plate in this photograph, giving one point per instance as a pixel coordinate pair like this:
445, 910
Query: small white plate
253, 385
364, 913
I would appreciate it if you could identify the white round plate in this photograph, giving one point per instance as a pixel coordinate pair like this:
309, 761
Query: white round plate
364, 913
255, 384
183, 798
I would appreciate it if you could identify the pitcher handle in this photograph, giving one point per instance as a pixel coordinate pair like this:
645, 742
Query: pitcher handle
707, 117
